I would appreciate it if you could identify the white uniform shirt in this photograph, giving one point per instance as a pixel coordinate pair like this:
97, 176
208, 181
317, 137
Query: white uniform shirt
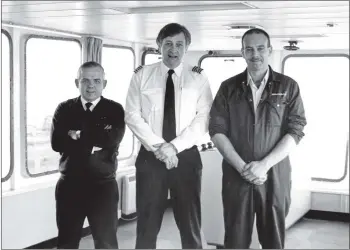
257, 92
144, 109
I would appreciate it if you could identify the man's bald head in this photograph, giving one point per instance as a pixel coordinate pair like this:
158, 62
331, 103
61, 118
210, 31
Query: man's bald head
89, 65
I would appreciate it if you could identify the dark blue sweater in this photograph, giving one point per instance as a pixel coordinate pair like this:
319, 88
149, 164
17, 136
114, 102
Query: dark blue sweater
76, 158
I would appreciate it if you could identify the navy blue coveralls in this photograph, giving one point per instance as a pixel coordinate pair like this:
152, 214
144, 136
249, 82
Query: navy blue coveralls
254, 135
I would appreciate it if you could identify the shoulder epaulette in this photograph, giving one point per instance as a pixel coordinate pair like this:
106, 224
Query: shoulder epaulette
197, 69
138, 69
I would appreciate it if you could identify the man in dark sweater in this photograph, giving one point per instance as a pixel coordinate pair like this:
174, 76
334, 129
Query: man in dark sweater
87, 131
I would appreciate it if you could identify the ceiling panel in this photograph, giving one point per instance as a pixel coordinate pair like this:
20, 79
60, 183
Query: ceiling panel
110, 19
296, 4
266, 12
42, 7
11, 3
192, 19
189, 8
56, 5
60, 14
138, 4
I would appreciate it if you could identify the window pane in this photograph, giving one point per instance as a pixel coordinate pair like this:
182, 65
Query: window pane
119, 67
5, 106
51, 67
152, 58
324, 86
218, 69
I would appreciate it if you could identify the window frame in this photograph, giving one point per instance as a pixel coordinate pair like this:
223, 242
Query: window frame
148, 51
25, 96
133, 136
345, 173
217, 55
9, 174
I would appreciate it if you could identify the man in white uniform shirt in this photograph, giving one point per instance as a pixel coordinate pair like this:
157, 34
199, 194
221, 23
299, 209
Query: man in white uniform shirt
167, 109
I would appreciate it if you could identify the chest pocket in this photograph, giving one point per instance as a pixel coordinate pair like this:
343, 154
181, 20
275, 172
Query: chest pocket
239, 109
103, 121
152, 99
189, 101
276, 109
237, 97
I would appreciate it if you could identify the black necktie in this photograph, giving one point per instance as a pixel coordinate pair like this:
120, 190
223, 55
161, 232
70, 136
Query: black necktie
88, 105
169, 122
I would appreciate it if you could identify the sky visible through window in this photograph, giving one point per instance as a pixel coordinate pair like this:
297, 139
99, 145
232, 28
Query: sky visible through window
324, 86
51, 67
218, 69
119, 67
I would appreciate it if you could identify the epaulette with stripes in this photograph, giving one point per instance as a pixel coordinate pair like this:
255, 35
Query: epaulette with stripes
138, 69
197, 69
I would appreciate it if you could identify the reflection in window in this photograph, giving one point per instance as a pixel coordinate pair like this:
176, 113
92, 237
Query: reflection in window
324, 86
119, 67
51, 67
5, 106
218, 69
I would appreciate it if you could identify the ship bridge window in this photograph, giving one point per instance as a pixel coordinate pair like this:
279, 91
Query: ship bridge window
6, 114
150, 57
324, 86
218, 69
51, 67
119, 64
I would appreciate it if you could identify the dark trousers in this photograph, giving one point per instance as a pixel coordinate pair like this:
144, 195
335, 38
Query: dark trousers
270, 202
76, 200
153, 180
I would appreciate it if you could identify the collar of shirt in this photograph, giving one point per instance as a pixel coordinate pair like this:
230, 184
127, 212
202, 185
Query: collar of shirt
94, 103
165, 69
263, 82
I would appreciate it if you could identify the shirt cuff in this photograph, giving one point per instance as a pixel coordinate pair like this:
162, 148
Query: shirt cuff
149, 146
95, 149
179, 144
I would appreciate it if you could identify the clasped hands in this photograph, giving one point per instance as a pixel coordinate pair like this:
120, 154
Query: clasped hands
166, 152
255, 172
